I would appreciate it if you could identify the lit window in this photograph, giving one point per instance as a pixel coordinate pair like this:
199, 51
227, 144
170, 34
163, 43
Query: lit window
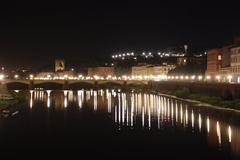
219, 57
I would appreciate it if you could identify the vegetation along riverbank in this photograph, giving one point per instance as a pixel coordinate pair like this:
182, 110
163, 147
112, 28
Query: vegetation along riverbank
16, 99
185, 93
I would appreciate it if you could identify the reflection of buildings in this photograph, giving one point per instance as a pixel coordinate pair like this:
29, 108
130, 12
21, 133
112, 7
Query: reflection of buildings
152, 70
148, 111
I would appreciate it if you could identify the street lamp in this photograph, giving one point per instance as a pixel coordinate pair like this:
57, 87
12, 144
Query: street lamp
208, 77
2, 76
218, 78
229, 77
16, 76
31, 76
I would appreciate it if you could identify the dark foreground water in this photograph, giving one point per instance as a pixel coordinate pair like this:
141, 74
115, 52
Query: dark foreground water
110, 124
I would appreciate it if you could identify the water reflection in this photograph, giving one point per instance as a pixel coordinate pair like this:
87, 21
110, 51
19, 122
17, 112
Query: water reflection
219, 133
48, 98
31, 98
147, 111
208, 125
229, 134
80, 98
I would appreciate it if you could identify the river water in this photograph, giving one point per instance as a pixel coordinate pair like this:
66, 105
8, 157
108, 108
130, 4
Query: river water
109, 123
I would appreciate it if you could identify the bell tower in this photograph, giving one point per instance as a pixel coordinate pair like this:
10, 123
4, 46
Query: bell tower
59, 65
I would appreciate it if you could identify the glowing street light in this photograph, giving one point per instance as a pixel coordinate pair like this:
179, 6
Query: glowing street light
208, 77
31, 76
200, 78
2, 76
16, 76
218, 77
229, 77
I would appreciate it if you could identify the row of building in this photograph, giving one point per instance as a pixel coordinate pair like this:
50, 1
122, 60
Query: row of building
105, 71
223, 64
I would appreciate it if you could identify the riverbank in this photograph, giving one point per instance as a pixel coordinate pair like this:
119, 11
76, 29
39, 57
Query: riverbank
16, 99
185, 93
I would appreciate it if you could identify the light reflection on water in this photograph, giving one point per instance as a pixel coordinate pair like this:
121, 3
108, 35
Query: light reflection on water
148, 111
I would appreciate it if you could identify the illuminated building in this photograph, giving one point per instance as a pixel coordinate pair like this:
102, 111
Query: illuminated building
101, 71
235, 63
148, 70
59, 65
214, 60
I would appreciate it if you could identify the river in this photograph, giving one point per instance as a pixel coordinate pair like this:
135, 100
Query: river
111, 123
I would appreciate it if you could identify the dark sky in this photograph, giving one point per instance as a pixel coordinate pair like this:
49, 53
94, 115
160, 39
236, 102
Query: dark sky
35, 33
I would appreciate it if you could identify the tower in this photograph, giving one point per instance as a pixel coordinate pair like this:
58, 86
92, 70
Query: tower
59, 65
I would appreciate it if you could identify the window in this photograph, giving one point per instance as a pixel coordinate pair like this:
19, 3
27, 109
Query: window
219, 57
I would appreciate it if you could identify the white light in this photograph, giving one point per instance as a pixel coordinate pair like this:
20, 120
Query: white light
218, 77
2, 76
229, 77
208, 77
31, 76
16, 76
200, 77
229, 134
132, 54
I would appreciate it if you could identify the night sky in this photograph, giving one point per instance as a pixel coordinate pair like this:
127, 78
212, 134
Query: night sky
35, 33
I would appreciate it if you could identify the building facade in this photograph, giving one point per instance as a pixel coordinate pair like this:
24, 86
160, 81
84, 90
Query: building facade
214, 61
101, 71
59, 65
235, 63
149, 70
